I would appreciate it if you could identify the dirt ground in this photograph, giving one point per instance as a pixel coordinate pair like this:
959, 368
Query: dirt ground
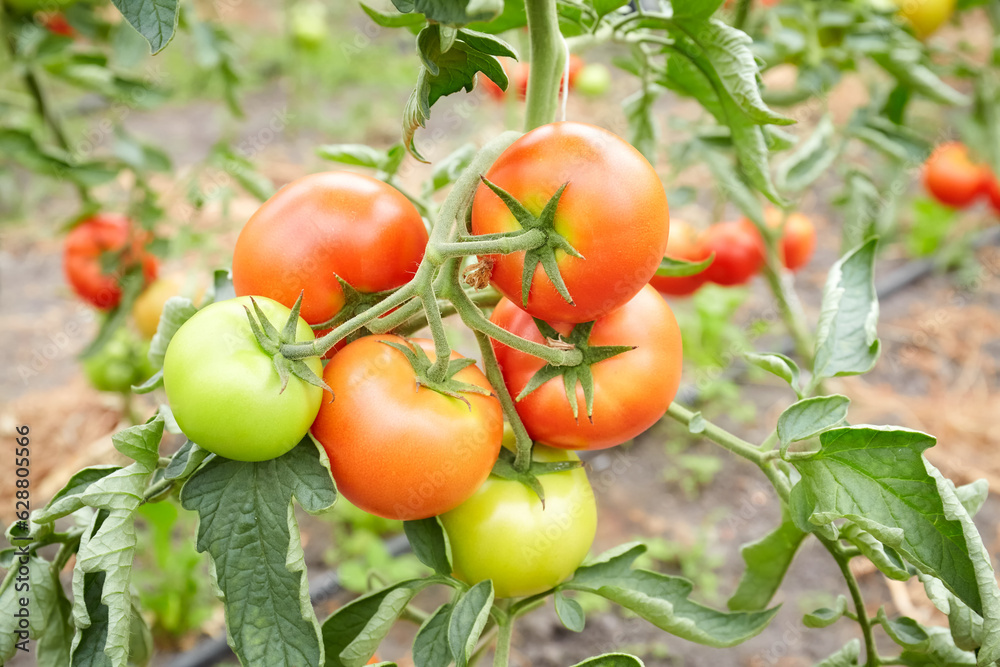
938, 373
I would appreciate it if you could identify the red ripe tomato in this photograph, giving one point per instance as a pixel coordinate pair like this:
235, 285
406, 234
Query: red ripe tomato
632, 390
326, 225
798, 238
739, 252
991, 186
399, 450
613, 212
99, 234
686, 244
951, 177
56, 23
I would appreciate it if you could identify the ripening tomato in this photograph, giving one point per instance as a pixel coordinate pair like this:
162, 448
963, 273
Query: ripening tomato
926, 16
121, 363
224, 390
56, 23
82, 257
613, 212
397, 449
739, 252
326, 225
686, 244
593, 80
632, 390
952, 177
798, 238
504, 533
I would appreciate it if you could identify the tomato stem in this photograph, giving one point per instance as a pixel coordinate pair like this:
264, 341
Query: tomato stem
501, 657
442, 349
548, 54
522, 441
717, 434
505, 245
843, 562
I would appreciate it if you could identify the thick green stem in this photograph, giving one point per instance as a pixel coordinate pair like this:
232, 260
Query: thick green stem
716, 434
442, 349
548, 58
530, 239
501, 657
522, 441
843, 562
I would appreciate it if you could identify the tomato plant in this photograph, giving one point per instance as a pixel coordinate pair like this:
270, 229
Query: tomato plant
576, 349
562, 285
504, 533
99, 252
636, 356
400, 446
223, 388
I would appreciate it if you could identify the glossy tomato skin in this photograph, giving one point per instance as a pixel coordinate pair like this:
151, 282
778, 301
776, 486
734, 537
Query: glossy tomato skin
503, 533
224, 391
401, 451
326, 225
82, 250
686, 244
739, 252
632, 390
614, 212
951, 177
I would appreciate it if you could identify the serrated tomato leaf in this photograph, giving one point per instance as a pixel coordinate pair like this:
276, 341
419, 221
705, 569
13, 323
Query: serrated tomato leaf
767, 561
248, 527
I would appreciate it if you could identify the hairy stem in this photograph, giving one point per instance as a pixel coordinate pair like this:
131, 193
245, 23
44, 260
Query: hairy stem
500, 246
522, 441
501, 657
548, 54
442, 349
843, 562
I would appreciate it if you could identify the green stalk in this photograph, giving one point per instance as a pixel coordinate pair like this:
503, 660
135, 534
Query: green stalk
742, 12
501, 658
529, 240
442, 349
548, 58
718, 435
843, 562
791, 310
522, 441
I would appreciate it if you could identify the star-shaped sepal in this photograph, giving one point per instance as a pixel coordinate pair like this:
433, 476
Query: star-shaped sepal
271, 340
450, 386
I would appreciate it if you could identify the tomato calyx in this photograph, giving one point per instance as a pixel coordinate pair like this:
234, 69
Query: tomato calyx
679, 268
572, 375
545, 253
451, 387
355, 301
504, 469
271, 340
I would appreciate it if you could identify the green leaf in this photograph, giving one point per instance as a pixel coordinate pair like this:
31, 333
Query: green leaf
643, 130
903, 630
939, 652
248, 527
376, 627
883, 557
364, 621
767, 561
446, 171
776, 364
904, 65
570, 612
70, 498
973, 495
46, 614
877, 478
694, 9
846, 337
468, 619
845, 657
824, 616
429, 544
156, 20
430, 646
176, 311
89, 645
966, 626
810, 160
358, 155
185, 461
679, 267
387, 20
455, 12
810, 417
861, 202
664, 600
611, 660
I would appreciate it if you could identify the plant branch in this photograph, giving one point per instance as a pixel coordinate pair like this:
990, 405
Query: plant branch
501, 657
522, 441
717, 434
548, 54
505, 245
843, 562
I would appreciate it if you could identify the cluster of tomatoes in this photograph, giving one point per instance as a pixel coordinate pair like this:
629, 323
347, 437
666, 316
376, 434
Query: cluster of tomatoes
405, 447
738, 249
954, 179
593, 79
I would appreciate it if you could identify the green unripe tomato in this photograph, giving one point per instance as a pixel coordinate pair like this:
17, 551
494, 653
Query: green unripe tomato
502, 533
121, 363
224, 390
308, 22
593, 80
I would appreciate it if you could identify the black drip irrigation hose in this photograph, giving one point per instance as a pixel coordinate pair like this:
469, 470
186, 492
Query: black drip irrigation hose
326, 585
